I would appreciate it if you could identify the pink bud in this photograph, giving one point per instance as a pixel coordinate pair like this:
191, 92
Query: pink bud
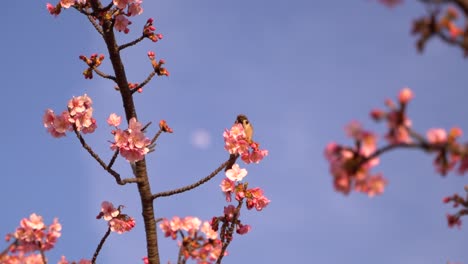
405, 95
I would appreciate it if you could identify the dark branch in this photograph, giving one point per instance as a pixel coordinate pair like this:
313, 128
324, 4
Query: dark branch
99, 247
191, 186
145, 82
230, 231
103, 75
134, 42
101, 162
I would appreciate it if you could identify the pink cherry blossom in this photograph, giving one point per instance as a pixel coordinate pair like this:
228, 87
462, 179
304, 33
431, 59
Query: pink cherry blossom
57, 126
131, 143
235, 141
121, 3
121, 224
63, 260
33, 234
257, 199
436, 135
135, 8
108, 211
121, 23
227, 187
67, 3
114, 120
209, 232
81, 114
236, 173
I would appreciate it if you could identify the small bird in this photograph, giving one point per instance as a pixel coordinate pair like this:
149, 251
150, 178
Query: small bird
248, 129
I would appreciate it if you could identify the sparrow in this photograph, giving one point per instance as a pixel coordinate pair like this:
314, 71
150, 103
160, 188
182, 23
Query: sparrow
248, 130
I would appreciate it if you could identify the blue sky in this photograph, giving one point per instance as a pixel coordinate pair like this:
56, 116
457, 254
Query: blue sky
300, 70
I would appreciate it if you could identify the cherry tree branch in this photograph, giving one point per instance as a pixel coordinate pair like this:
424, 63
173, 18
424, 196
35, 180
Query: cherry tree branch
131, 43
101, 162
101, 243
143, 184
103, 75
227, 240
191, 186
146, 81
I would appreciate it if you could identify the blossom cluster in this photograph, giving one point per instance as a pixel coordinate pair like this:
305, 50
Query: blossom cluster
118, 222
132, 143
350, 165
157, 65
64, 260
231, 220
454, 220
119, 13
79, 116
444, 24
149, 31
93, 62
236, 142
32, 235
200, 242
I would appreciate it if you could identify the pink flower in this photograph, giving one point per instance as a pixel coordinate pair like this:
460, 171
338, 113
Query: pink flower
227, 186
208, 231
235, 141
57, 126
53, 10
34, 235
108, 211
236, 173
436, 135
257, 199
229, 212
405, 95
243, 229
114, 120
166, 227
67, 3
135, 8
120, 3
81, 114
132, 143
121, 224
63, 260
121, 23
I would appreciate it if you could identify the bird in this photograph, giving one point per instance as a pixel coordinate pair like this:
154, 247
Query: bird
248, 130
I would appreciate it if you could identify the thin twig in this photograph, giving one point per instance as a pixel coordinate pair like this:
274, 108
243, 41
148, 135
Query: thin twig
101, 243
114, 157
43, 256
103, 75
101, 162
131, 43
191, 186
156, 137
145, 82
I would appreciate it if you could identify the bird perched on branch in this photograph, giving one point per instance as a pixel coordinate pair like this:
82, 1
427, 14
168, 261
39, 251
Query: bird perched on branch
248, 130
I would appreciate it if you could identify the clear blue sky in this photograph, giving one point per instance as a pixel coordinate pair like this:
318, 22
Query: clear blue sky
299, 69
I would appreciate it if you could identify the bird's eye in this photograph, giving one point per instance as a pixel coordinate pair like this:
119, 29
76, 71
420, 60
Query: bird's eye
246, 122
